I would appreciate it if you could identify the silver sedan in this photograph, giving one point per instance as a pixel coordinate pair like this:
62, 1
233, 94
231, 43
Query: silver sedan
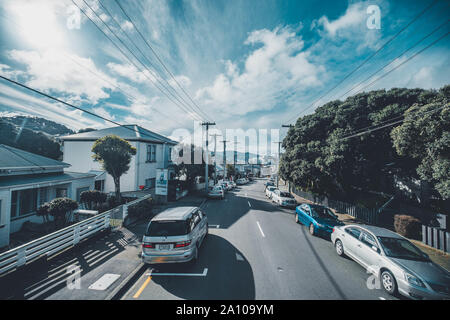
398, 265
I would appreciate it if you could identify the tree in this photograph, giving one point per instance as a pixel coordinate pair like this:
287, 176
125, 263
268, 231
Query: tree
191, 170
318, 159
425, 136
231, 170
114, 154
60, 209
92, 198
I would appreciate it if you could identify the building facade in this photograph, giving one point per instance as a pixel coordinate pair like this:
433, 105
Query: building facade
27, 181
153, 151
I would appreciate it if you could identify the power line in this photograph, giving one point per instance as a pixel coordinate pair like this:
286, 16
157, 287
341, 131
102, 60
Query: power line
370, 57
132, 62
149, 70
143, 55
72, 106
158, 58
401, 54
129, 96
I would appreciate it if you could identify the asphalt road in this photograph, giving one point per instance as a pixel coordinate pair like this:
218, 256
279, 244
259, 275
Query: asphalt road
255, 250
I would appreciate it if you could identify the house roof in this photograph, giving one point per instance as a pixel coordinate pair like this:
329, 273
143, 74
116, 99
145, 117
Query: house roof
129, 132
42, 179
13, 158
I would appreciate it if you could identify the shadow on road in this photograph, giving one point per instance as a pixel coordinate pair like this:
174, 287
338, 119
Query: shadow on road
42, 278
228, 277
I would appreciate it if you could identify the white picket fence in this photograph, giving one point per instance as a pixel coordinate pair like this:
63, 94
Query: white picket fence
54, 242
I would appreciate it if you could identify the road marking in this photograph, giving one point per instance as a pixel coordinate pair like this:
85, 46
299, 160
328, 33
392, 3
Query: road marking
381, 298
205, 272
249, 204
104, 282
239, 257
260, 229
138, 293
214, 226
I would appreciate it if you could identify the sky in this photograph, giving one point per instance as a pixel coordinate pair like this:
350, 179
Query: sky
244, 64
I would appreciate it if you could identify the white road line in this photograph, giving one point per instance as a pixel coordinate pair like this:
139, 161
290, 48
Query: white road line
249, 204
205, 272
260, 229
216, 226
381, 298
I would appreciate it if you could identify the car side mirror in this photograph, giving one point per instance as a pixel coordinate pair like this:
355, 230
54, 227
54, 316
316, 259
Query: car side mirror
375, 249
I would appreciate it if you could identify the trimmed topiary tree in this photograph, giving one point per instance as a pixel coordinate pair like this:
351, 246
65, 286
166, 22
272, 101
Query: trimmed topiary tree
61, 209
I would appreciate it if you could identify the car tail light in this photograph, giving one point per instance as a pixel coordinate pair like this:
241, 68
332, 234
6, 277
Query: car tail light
182, 244
148, 245
332, 230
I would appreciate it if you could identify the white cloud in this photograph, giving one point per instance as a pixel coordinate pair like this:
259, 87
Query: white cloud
127, 25
60, 71
354, 16
19, 101
279, 67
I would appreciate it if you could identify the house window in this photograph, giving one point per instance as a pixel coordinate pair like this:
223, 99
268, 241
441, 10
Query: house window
43, 196
170, 154
151, 153
23, 202
61, 192
79, 191
99, 185
150, 183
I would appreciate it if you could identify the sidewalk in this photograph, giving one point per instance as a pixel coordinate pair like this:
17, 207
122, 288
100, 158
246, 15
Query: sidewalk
106, 262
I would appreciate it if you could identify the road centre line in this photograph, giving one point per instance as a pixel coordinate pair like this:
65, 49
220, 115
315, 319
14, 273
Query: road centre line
249, 204
138, 293
205, 272
260, 229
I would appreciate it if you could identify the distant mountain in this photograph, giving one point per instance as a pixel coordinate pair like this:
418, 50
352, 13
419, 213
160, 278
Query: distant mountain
37, 124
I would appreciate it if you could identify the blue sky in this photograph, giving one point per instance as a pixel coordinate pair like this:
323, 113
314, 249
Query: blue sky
247, 64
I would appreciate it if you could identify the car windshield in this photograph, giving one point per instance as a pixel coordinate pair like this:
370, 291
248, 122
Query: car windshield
217, 188
167, 228
285, 195
322, 212
401, 249
271, 188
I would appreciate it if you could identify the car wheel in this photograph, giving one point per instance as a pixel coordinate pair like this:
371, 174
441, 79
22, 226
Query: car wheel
388, 282
339, 248
296, 218
312, 231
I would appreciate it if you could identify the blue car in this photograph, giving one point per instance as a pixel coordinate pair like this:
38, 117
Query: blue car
319, 219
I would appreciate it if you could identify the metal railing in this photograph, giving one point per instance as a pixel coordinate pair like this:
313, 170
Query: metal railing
54, 242
365, 214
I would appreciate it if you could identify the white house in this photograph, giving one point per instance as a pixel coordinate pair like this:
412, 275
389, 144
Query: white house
153, 151
28, 180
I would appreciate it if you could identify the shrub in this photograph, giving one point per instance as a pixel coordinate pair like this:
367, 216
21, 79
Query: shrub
141, 209
407, 226
59, 207
92, 197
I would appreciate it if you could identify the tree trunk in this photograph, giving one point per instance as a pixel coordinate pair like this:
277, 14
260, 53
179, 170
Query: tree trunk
117, 185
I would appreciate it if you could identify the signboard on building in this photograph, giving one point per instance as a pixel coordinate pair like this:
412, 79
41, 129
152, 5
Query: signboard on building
161, 186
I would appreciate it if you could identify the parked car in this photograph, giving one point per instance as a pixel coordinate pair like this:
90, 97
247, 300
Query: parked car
398, 264
284, 199
233, 184
224, 185
227, 185
241, 181
319, 219
174, 235
216, 192
269, 191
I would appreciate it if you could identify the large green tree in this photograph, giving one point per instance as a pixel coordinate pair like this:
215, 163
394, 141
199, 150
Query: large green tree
318, 159
114, 154
425, 137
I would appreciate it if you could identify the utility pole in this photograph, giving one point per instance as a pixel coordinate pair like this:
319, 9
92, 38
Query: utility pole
207, 124
278, 169
215, 157
235, 153
224, 158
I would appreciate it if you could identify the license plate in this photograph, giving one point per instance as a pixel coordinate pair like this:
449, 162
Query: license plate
164, 246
